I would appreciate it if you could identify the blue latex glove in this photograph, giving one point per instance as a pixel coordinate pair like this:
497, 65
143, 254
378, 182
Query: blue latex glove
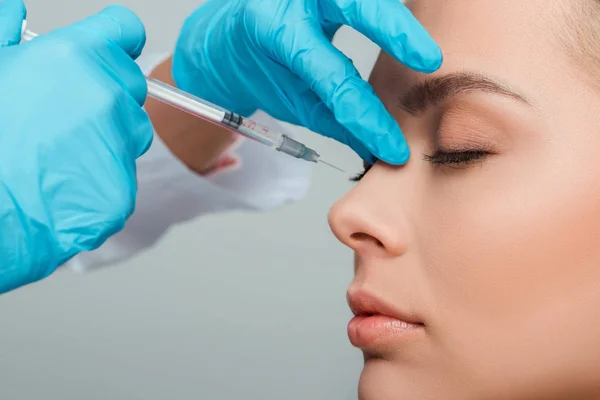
276, 55
71, 128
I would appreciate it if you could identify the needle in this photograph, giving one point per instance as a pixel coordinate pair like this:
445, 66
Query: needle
332, 166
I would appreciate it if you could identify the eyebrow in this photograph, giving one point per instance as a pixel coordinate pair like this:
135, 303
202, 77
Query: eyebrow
435, 90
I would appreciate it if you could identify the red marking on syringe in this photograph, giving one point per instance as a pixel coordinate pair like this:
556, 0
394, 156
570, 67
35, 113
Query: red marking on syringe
249, 124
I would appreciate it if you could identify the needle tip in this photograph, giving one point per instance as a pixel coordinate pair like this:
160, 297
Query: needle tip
332, 166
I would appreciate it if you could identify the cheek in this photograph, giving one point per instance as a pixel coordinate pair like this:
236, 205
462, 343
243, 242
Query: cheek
525, 233
512, 257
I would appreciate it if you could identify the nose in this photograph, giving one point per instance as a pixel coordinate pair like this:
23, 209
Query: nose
371, 219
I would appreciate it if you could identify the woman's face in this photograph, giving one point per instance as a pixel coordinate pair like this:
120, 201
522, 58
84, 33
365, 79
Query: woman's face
488, 240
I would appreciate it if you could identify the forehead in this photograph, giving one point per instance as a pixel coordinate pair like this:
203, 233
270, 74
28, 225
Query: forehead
496, 31
513, 41
488, 26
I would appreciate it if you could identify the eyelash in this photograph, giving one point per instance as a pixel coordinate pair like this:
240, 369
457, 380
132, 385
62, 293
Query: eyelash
362, 174
454, 159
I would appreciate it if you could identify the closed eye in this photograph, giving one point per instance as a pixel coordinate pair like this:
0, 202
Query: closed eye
456, 158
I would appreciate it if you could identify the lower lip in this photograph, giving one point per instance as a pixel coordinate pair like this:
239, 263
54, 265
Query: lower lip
379, 330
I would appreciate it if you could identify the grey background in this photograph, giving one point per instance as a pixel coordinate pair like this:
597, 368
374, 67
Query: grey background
236, 306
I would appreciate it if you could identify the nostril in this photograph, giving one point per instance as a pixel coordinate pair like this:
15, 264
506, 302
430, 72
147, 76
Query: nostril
366, 238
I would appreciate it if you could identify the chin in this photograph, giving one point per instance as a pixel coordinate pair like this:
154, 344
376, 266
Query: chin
384, 379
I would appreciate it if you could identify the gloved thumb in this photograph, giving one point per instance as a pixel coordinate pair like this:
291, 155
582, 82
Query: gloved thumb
12, 14
118, 24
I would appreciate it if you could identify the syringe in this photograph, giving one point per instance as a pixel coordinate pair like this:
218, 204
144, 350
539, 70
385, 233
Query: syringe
217, 115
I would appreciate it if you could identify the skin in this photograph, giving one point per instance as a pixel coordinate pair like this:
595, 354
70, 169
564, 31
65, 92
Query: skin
500, 257
197, 143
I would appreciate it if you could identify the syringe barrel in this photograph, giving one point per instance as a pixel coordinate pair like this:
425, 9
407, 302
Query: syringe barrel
184, 101
260, 133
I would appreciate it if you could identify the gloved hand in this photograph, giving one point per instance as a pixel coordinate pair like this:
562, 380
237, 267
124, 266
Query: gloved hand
276, 55
71, 127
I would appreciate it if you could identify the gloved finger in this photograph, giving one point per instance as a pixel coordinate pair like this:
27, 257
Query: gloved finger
135, 128
12, 15
144, 134
323, 122
330, 29
352, 100
392, 26
120, 25
308, 109
114, 36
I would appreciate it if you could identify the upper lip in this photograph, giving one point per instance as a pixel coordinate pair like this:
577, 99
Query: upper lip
363, 303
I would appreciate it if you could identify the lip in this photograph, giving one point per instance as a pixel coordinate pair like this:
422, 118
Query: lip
377, 324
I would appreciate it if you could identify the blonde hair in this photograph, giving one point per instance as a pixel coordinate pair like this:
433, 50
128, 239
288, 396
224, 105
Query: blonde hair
583, 36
